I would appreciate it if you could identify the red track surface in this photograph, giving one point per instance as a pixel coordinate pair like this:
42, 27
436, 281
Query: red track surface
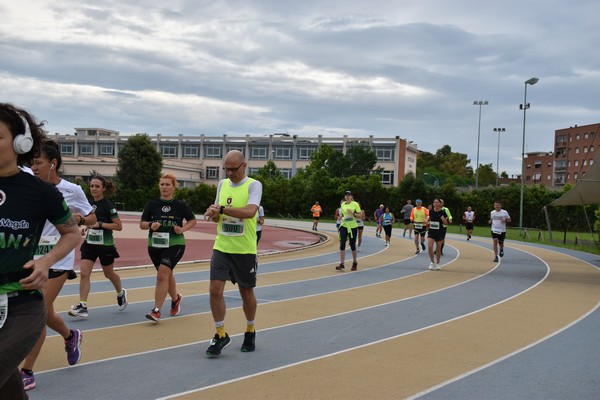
132, 242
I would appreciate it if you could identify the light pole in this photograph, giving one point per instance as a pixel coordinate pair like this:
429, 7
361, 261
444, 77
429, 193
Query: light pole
524, 107
498, 155
478, 103
436, 181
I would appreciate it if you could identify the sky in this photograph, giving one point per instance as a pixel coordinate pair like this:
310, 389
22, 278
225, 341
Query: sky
308, 68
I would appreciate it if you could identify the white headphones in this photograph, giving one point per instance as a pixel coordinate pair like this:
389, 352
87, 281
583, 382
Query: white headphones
23, 143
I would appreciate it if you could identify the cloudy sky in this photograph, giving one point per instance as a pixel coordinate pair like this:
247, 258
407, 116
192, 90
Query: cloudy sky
356, 68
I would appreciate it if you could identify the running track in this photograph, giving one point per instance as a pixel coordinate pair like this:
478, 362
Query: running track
526, 327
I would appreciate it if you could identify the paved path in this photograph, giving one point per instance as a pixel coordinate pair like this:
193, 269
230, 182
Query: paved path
526, 327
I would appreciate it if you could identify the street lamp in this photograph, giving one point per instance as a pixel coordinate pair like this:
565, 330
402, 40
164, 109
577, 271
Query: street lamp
478, 103
498, 155
436, 181
524, 107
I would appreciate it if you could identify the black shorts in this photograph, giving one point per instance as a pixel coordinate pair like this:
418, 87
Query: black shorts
436, 234
106, 254
406, 221
168, 256
388, 230
316, 218
55, 273
237, 268
469, 226
258, 235
361, 228
499, 236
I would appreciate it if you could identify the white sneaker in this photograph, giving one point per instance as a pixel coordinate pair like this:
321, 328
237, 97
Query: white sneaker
431, 266
386, 244
359, 250
438, 267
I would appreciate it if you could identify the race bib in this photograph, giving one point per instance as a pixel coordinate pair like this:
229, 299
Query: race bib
469, 220
434, 225
231, 226
95, 236
3, 309
418, 225
348, 219
46, 244
497, 232
160, 240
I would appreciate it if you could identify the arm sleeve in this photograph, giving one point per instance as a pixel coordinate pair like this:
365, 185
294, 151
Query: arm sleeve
255, 193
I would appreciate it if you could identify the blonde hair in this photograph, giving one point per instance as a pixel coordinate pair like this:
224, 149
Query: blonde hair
172, 178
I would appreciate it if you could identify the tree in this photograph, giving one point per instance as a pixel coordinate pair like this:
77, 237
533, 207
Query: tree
138, 172
268, 171
487, 176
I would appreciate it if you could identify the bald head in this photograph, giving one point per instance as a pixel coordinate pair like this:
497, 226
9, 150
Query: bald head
235, 166
234, 157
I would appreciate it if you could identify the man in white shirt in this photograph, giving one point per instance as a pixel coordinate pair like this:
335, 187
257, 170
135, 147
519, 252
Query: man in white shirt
498, 220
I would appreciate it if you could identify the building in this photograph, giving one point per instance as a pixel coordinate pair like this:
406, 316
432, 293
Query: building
574, 152
539, 168
199, 159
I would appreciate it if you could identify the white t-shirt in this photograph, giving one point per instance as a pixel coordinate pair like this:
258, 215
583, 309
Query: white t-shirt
469, 215
259, 215
77, 201
499, 220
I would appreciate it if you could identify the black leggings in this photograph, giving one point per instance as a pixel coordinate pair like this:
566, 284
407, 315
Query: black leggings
344, 236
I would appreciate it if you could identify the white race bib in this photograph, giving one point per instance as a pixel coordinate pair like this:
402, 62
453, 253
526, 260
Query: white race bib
434, 225
46, 244
418, 225
160, 240
95, 236
497, 232
231, 226
3, 308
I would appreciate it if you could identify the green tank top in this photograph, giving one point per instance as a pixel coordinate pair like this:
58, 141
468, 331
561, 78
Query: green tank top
234, 235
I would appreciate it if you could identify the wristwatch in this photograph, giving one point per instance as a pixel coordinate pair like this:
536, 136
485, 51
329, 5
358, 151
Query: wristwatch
100, 223
81, 221
221, 209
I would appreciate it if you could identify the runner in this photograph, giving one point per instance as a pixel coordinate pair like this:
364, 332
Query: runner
46, 166
349, 211
437, 218
445, 225
469, 217
25, 205
99, 244
234, 252
163, 218
260, 220
387, 221
377, 215
498, 219
419, 216
316, 211
361, 227
338, 218
406, 211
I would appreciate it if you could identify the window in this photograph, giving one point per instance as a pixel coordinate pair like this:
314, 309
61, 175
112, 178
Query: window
577, 136
387, 177
549, 177
66, 149
576, 150
213, 151
585, 149
168, 150
528, 166
107, 149
283, 153
591, 162
286, 172
410, 159
191, 151
575, 175
538, 164
384, 153
259, 152
585, 135
253, 171
212, 173
304, 153
584, 162
577, 163
591, 148
86, 149
537, 177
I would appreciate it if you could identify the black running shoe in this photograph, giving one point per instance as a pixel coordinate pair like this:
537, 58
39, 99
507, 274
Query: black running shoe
216, 345
249, 339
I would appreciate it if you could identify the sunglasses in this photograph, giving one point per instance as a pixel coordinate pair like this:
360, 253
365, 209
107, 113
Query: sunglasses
234, 169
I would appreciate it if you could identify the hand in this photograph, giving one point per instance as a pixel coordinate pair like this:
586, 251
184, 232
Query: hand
178, 229
154, 225
211, 212
38, 277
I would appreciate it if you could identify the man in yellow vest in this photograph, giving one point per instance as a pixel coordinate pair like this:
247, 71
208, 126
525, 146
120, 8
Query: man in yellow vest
234, 252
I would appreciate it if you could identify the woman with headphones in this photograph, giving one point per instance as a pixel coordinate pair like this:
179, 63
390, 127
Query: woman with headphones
25, 205
46, 165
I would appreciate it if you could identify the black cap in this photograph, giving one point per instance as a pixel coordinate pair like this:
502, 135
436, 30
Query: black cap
348, 192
